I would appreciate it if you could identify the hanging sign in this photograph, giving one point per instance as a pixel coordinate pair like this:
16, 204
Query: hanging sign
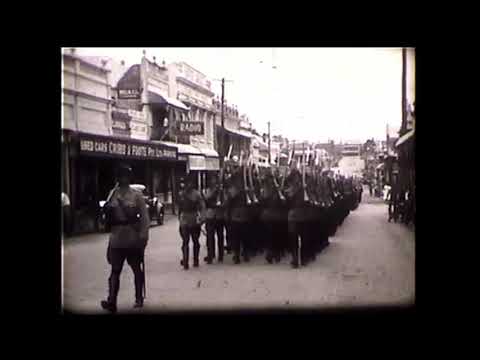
189, 128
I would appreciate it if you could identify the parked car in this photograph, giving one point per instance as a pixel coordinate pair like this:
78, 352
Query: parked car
155, 208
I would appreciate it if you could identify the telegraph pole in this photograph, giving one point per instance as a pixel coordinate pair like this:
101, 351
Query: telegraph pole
221, 145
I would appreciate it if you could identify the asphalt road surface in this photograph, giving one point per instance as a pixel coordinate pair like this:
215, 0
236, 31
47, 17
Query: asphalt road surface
369, 262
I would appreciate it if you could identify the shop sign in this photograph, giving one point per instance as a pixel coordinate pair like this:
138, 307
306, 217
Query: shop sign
120, 125
98, 146
196, 162
121, 114
189, 128
212, 164
182, 158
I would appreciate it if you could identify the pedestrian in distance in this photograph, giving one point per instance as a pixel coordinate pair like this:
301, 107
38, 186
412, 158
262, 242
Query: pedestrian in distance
129, 222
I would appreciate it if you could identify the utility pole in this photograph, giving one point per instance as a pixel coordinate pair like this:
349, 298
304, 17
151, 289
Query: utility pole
221, 145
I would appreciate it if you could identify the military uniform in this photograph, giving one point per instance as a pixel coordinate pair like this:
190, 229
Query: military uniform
214, 224
297, 216
129, 222
322, 220
272, 217
191, 215
312, 221
239, 217
256, 240
330, 210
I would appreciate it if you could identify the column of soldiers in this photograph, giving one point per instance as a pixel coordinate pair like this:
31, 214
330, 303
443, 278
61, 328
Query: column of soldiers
275, 212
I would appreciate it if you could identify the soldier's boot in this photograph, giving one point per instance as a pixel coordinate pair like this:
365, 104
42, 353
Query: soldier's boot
221, 250
138, 290
294, 261
196, 253
184, 261
277, 255
111, 303
236, 257
269, 257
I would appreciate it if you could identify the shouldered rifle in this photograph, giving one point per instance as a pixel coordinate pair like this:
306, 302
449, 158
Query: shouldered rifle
305, 194
245, 188
220, 187
277, 187
250, 177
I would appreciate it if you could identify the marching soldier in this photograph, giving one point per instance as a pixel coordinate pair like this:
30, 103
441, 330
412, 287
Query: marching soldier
215, 221
312, 221
256, 243
129, 222
331, 209
272, 217
323, 214
283, 239
191, 215
296, 217
230, 168
237, 208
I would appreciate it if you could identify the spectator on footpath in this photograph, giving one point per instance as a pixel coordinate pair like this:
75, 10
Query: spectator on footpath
66, 209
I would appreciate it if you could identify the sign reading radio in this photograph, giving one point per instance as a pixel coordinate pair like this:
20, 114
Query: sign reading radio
189, 128
128, 93
97, 146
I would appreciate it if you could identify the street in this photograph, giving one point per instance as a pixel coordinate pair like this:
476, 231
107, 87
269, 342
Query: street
369, 262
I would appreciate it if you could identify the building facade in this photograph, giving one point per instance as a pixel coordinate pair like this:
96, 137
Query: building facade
100, 129
193, 88
237, 131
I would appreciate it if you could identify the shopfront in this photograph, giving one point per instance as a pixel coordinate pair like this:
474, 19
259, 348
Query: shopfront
93, 160
240, 140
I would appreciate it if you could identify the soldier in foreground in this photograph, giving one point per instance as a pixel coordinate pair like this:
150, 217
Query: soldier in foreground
129, 222
191, 215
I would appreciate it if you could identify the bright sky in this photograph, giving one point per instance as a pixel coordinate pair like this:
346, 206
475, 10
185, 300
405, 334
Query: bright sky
314, 94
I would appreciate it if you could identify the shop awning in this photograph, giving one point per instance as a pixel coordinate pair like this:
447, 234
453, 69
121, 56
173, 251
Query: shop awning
239, 132
405, 137
154, 98
184, 149
209, 152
